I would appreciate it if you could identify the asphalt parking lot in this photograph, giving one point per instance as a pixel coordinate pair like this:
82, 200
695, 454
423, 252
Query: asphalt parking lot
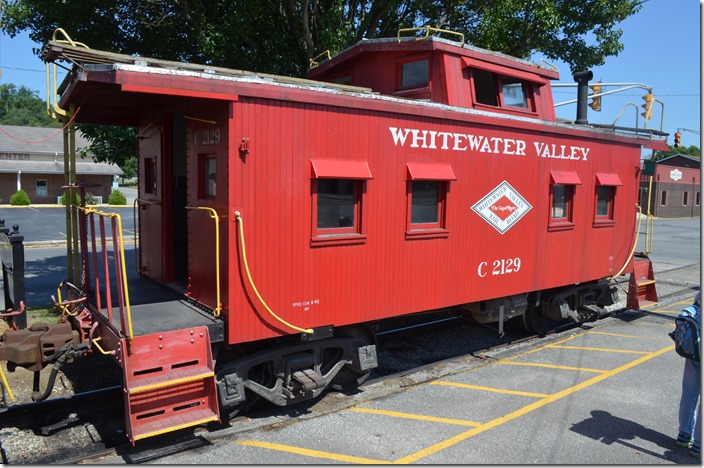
606, 393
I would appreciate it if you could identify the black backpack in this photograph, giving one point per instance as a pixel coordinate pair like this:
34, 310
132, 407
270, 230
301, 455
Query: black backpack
686, 334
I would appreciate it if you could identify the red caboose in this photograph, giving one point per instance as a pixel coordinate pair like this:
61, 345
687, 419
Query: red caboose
282, 215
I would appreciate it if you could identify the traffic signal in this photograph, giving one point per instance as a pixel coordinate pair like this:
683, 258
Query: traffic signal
596, 101
677, 139
647, 106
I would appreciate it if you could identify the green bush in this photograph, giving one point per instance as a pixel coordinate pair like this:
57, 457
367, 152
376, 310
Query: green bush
76, 199
90, 199
117, 198
19, 198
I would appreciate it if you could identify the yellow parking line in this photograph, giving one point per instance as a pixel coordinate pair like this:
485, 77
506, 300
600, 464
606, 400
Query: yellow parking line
585, 348
419, 417
551, 366
620, 335
311, 453
526, 409
491, 389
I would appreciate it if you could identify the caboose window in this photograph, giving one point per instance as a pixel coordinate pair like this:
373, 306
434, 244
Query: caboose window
150, 175
425, 202
562, 192
605, 196
427, 197
336, 204
562, 202
485, 87
414, 74
513, 93
208, 168
338, 190
604, 201
504, 91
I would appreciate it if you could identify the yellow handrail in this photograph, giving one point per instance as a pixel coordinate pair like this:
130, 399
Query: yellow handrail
102, 351
427, 32
214, 215
635, 242
313, 62
240, 224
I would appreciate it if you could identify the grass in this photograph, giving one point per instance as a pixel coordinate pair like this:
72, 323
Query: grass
45, 313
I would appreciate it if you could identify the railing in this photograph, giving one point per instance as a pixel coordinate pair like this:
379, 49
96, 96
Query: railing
100, 279
214, 215
428, 30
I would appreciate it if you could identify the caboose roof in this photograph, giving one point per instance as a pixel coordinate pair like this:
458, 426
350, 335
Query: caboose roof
366, 46
109, 88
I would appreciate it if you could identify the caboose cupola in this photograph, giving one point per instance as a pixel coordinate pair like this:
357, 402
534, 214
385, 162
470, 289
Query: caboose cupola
445, 72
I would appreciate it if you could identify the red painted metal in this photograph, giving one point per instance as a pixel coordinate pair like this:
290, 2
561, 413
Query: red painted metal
641, 287
169, 382
496, 239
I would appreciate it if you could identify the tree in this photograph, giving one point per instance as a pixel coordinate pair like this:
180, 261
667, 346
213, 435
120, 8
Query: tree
689, 151
280, 36
22, 106
110, 144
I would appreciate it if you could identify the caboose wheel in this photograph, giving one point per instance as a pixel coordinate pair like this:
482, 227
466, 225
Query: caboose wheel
534, 321
349, 378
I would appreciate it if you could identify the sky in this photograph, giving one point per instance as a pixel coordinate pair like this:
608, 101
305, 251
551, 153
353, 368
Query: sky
662, 50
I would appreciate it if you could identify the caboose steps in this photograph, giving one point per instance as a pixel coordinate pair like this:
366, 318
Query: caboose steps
641, 286
169, 382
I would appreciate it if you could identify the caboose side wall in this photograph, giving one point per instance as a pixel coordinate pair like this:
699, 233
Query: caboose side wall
386, 272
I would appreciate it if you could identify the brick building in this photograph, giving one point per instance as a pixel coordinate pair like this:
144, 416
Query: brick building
676, 188
31, 158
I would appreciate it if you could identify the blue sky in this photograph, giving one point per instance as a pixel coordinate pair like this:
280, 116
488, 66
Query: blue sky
662, 50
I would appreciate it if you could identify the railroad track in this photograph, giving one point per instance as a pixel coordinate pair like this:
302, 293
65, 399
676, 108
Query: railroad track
460, 337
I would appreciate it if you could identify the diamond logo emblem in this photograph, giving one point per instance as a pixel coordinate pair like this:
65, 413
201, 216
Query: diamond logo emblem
502, 207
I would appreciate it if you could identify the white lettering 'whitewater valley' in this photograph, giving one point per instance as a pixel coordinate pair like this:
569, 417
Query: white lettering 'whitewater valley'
432, 139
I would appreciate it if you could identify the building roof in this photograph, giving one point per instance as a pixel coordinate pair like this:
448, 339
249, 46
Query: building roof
35, 140
681, 160
57, 167
48, 145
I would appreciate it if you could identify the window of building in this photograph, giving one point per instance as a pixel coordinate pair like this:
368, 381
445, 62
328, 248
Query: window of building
685, 198
338, 188
208, 175
562, 192
697, 198
663, 198
150, 175
414, 74
42, 188
428, 186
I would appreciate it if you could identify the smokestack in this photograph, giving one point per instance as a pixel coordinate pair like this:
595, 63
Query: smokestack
582, 78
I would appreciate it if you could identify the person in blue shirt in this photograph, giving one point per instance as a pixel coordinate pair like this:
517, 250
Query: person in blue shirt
690, 415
